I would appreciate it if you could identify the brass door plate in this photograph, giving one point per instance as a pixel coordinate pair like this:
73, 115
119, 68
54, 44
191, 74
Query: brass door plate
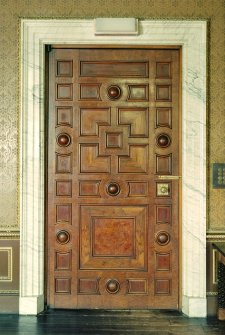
163, 190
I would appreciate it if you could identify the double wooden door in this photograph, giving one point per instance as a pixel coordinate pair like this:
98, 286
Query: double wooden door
113, 200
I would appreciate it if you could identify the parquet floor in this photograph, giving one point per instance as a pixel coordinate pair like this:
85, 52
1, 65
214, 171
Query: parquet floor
98, 322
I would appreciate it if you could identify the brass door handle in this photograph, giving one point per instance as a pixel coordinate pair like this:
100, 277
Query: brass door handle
168, 177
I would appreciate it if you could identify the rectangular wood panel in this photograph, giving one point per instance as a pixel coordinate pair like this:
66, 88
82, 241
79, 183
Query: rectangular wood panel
62, 285
114, 69
64, 213
88, 286
63, 260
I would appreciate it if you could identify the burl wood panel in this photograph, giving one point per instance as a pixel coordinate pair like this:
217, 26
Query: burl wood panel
113, 237
113, 225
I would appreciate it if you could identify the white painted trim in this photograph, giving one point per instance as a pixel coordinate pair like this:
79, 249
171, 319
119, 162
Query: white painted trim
191, 35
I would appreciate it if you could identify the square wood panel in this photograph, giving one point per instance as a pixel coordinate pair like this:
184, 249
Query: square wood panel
113, 237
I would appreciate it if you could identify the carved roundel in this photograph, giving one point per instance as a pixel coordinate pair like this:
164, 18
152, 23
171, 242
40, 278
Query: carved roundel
114, 92
113, 189
163, 238
63, 237
112, 286
163, 140
63, 139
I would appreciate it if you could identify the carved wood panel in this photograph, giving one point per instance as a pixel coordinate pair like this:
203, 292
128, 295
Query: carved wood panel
113, 225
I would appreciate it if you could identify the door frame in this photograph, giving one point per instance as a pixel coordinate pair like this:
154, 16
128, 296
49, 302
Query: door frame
191, 35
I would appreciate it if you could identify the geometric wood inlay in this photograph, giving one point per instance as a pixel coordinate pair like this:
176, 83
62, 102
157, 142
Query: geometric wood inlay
64, 213
163, 117
92, 118
63, 260
62, 285
163, 261
64, 68
137, 118
136, 162
63, 163
163, 70
114, 140
64, 116
163, 92
113, 69
90, 92
137, 93
137, 286
64, 188
123, 244
91, 162
163, 286
163, 214
113, 237
137, 189
89, 188
64, 92
164, 164
88, 286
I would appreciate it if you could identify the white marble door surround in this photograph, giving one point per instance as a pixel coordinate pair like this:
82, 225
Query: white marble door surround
191, 35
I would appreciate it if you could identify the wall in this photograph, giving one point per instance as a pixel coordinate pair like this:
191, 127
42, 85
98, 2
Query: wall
10, 13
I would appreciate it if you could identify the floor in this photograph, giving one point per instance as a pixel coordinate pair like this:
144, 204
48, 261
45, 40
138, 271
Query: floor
97, 322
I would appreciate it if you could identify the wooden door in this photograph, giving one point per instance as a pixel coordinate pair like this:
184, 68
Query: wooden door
113, 149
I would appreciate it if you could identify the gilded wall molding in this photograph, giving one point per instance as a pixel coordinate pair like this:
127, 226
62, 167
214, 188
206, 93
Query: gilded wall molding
9, 292
211, 294
7, 278
12, 235
215, 237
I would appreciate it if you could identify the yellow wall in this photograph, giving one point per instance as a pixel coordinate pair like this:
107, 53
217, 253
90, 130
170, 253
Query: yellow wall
10, 13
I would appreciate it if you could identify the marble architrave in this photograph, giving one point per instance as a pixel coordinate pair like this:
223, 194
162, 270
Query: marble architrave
191, 35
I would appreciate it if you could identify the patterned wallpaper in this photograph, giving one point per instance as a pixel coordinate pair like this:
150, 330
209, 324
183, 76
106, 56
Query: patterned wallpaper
10, 13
